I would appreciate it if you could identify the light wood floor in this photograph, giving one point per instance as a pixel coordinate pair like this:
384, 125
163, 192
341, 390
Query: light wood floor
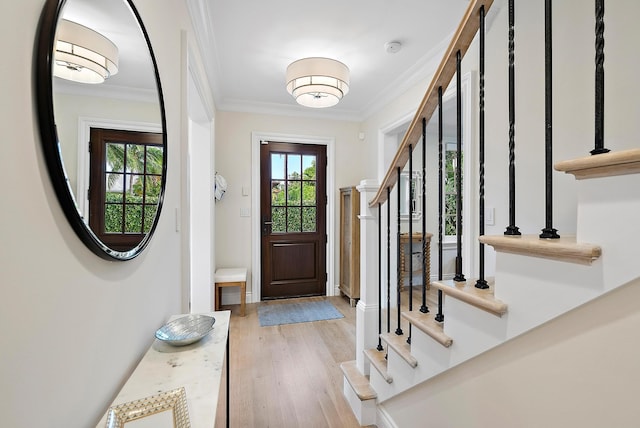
289, 375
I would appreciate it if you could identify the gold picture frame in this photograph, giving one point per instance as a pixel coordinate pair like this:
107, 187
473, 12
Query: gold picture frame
175, 400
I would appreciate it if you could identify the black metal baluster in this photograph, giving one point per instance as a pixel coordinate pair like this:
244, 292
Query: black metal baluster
398, 265
440, 316
599, 137
548, 232
512, 229
481, 282
379, 348
425, 280
388, 259
410, 198
459, 277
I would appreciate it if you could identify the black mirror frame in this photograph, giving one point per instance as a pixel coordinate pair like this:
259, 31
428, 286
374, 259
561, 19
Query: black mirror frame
45, 40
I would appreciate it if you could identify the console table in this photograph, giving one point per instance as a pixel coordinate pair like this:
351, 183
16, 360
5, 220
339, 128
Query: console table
197, 367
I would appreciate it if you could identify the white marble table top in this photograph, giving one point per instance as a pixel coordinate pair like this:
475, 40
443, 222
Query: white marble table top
197, 367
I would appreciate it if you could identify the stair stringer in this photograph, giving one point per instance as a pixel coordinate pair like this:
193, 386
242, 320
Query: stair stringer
573, 360
523, 283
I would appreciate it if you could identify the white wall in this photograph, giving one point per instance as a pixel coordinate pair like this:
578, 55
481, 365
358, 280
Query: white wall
74, 325
69, 108
233, 161
573, 117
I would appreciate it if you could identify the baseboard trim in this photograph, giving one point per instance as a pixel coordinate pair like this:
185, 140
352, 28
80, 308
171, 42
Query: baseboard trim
383, 420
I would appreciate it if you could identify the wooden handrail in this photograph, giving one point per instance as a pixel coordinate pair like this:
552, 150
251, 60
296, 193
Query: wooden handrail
460, 42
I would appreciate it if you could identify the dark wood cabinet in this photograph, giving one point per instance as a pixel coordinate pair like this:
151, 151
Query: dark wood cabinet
350, 243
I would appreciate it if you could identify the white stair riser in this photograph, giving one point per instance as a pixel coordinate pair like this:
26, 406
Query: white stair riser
398, 366
539, 290
608, 216
473, 330
432, 356
379, 384
364, 410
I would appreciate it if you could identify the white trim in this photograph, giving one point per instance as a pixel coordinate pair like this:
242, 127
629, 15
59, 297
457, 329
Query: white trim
84, 134
256, 137
469, 204
383, 420
393, 128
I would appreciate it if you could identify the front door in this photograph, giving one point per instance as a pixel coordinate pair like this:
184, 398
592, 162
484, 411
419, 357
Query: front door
293, 219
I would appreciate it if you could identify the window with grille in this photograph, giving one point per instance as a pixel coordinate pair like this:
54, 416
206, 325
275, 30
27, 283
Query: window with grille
125, 185
293, 193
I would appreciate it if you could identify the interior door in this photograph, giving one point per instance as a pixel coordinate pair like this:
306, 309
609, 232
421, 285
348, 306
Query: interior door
293, 215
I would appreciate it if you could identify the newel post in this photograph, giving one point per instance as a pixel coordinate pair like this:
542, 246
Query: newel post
367, 307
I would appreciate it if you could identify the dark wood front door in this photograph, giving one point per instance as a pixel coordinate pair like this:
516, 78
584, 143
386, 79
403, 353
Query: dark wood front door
293, 219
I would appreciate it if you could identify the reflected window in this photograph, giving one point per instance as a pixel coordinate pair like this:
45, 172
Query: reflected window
125, 185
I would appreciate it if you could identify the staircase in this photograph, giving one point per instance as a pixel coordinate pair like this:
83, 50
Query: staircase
536, 282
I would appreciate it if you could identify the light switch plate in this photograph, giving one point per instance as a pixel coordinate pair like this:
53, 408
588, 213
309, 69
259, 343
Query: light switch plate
489, 216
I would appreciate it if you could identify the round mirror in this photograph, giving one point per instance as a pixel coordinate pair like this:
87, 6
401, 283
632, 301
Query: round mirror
102, 122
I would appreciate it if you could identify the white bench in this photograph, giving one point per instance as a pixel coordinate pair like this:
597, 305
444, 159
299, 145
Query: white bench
231, 277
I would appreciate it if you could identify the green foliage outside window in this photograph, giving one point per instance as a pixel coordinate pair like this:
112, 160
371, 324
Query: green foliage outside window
450, 210
293, 202
138, 197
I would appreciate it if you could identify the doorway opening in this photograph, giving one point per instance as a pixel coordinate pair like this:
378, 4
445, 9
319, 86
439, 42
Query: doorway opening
293, 215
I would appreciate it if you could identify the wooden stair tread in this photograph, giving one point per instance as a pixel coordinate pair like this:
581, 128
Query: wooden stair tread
400, 345
358, 381
602, 165
468, 293
428, 325
379, 361
565, 249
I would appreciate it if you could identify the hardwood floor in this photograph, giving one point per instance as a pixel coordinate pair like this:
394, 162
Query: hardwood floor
289, 375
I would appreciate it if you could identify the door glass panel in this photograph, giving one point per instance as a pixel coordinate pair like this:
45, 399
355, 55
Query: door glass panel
133, 219
277, 166
278, 216
113, 218
309, 167
277, 193
149, 214
308, 219
154, 160
293, 194
293, 166
293, 220
115, 157
309, 193
152, 192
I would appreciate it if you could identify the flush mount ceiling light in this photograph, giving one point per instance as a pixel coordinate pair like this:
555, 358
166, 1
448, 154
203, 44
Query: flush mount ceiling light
317, 82
83, 55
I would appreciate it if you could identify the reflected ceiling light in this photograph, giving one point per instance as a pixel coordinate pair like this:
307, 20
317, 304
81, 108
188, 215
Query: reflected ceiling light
317, 82
83, 55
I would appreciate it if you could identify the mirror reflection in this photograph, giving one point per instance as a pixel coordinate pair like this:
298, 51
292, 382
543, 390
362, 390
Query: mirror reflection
109, 122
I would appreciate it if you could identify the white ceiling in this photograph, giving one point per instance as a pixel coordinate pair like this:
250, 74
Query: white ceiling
249, 44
